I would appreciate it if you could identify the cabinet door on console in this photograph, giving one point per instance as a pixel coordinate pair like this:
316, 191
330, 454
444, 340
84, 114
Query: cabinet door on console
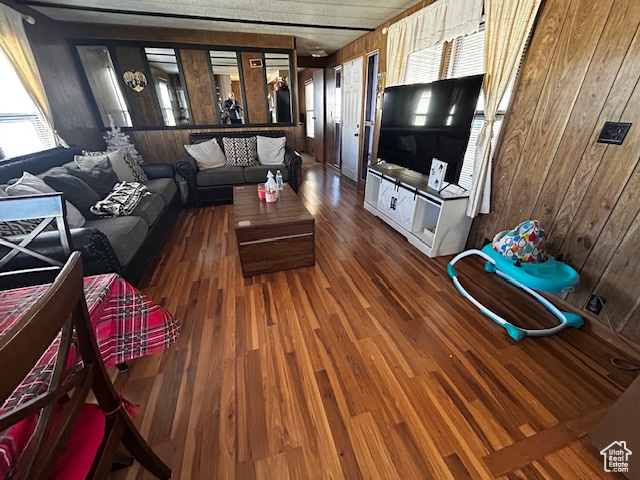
405, 207
385, 197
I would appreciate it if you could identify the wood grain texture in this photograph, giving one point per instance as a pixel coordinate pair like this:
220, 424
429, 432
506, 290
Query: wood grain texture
255, 88
180, 35
143, 106
167, 146
196, 70
367, 365
272, 236
581, 70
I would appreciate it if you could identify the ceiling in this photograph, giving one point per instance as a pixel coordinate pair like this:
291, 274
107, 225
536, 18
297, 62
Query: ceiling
316, 25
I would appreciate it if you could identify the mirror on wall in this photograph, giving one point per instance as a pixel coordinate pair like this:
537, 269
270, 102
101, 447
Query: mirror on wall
105, 87
227, 86
169, 85
278, 73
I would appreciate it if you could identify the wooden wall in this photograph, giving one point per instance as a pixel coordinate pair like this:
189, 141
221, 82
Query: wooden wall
582, 69
166, 145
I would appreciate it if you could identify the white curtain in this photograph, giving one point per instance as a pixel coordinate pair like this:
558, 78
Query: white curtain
508, 24
15, 45
442, 21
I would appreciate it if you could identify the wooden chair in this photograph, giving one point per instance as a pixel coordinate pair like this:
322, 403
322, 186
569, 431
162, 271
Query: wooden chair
49, 209
63, 417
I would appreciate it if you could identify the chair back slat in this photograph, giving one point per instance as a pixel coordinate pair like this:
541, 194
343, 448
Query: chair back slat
52, 319
49, 209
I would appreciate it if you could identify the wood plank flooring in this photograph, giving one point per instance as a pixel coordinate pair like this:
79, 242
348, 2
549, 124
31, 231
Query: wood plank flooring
368, 365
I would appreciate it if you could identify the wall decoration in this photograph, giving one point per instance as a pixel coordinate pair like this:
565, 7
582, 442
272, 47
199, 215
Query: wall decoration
436, 175
136, 80
255, 62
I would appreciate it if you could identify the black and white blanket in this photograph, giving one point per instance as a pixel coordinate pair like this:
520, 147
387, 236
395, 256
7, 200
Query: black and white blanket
122, 200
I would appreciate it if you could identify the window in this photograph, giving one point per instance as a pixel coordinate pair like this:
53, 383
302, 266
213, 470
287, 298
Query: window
467, 58
423, 66
22, 129
308, 101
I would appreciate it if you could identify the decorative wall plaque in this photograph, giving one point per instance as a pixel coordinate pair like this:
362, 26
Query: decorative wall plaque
255, 62
136, 80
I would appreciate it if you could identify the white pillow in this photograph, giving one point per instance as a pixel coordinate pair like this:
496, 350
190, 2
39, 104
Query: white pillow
207, 154
118, 163
271, 150
32, 185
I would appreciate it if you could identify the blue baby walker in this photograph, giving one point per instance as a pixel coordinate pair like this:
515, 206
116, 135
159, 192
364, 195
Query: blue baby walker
518, 256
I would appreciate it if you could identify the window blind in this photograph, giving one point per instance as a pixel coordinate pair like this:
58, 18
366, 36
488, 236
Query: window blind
22, 129
308, 101
423, 66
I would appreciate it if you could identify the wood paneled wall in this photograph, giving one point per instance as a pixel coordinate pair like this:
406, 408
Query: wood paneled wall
196, 70
144, 106
162, 145
167, 146
582, 69
255, 88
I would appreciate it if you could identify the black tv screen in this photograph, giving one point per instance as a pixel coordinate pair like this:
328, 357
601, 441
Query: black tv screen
429, 120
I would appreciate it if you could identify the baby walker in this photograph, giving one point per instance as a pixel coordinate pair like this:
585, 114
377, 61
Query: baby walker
518, 256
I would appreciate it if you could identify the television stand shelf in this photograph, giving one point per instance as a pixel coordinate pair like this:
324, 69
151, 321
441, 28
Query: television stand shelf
433, 222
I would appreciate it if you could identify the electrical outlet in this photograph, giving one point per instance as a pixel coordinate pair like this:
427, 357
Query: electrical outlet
595, 304
614, 132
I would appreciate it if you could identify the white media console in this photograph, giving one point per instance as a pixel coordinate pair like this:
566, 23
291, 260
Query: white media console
433, 222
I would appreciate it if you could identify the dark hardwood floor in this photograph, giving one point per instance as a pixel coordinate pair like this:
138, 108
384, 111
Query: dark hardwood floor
368, 365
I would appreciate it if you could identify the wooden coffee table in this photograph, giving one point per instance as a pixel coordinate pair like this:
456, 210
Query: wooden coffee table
272, 236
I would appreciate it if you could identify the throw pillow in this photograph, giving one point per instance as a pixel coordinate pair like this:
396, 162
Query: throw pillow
240, 152
126, 168
139, 174
81, 195
271, 150
207, 154
98, 175
31, 185
123, 200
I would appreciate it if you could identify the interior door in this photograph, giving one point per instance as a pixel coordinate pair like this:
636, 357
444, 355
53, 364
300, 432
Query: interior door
351, 117
318, 114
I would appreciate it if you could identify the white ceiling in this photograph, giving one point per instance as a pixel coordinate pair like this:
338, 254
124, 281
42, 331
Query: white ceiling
334, 13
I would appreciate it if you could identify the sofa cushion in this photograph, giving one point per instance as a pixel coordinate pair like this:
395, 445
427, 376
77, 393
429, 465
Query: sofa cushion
31, 185
125, 234
258, 174
165, 187
220, 176
99, 175
149, 208
75, 190
240, 152
207, 154
271, 150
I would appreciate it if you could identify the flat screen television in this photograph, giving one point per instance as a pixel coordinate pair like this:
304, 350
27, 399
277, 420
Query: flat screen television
424, 121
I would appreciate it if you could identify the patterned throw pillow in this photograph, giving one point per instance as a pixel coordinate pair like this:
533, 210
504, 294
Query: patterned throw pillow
240, 152
136, 169
122, 200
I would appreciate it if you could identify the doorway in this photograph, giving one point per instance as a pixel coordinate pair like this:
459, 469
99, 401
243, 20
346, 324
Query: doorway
351, 117
369, 113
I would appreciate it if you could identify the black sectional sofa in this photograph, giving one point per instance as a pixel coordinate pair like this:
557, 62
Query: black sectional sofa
215, 185
124, 245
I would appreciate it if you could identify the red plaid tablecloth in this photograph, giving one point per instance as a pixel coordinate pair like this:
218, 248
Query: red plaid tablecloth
127, 324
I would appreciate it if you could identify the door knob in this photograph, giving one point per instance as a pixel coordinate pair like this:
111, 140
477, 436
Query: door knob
355, 134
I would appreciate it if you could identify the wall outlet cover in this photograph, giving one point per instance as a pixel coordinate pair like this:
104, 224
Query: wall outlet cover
614, 132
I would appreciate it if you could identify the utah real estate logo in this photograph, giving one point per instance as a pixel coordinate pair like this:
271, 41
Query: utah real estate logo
616, 457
